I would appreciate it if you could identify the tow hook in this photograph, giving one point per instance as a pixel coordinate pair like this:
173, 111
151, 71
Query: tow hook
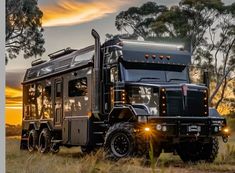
225, 139
197, 135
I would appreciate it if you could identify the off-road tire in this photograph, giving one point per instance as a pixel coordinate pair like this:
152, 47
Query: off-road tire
120, 132
190, 151
210, 150
196, 151
32, 140
44, 141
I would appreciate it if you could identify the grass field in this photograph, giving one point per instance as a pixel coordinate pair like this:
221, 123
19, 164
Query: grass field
73, 161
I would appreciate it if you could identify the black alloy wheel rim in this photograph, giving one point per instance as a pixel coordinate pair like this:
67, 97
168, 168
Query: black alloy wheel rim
120, 145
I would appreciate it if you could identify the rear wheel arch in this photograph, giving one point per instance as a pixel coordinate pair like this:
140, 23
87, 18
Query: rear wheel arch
32, 125
45, 125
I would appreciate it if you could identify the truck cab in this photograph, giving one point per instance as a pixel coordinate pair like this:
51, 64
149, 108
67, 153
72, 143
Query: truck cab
150, 88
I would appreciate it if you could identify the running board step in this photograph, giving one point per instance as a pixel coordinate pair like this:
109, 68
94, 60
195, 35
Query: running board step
99, 144
98, 122
98, 133
56, 141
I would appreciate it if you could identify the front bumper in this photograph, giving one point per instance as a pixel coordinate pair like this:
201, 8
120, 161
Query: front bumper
180, 127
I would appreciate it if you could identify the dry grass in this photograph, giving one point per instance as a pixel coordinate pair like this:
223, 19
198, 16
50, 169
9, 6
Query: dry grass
73, 161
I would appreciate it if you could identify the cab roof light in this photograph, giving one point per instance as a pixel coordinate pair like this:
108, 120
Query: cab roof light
146, 56
161, 57
154, 56
168, 57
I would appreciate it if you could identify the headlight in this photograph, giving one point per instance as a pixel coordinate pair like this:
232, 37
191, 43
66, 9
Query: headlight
159, 127
164, 128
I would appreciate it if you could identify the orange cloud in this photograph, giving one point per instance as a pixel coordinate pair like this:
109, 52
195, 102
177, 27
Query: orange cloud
71, 12
13, 105
13, 98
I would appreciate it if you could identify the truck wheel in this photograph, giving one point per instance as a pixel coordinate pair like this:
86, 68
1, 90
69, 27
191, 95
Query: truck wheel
44, 141
190, 151
210, 150
32, 140
119, 141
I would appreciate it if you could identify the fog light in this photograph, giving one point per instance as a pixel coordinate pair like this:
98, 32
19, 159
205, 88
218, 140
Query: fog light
158, 127
147, 129
226, 130
164, 128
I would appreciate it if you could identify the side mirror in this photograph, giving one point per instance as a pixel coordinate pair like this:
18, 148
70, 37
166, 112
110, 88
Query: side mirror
206, 80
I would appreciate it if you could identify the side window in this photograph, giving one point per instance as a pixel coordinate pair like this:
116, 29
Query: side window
47, 102
77, 87
32, 100
58, 89
114, 74
39, 105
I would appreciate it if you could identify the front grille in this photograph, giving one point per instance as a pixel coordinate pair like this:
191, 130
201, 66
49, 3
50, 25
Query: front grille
180, 105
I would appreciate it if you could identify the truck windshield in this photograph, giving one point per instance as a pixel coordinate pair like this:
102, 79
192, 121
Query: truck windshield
144, 95
155, 73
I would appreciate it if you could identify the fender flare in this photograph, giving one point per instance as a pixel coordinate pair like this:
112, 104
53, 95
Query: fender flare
126, 113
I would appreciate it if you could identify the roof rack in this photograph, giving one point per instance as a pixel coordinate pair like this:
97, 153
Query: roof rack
37, 62
60, 53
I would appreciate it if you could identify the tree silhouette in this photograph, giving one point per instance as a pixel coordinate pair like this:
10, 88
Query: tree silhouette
23, 29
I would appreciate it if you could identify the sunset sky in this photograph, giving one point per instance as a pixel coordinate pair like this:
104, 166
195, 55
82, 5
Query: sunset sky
67, 23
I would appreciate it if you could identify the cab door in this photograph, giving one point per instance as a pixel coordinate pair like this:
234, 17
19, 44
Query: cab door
58, 108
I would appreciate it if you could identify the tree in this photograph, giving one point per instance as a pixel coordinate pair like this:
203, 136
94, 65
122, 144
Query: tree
210, 27
136, 21
23, 29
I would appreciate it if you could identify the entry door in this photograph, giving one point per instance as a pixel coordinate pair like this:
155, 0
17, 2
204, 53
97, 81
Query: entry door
58, 108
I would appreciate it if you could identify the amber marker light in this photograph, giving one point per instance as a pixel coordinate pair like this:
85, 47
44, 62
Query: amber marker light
154, 56
226, 130
147, 129
146, 56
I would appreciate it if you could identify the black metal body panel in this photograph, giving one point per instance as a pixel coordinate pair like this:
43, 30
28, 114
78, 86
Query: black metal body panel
135, 51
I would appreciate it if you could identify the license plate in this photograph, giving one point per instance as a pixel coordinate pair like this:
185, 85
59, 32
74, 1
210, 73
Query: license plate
194, 128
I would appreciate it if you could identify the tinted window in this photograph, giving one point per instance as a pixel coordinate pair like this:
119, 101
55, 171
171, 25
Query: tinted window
78, 87
58, 89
